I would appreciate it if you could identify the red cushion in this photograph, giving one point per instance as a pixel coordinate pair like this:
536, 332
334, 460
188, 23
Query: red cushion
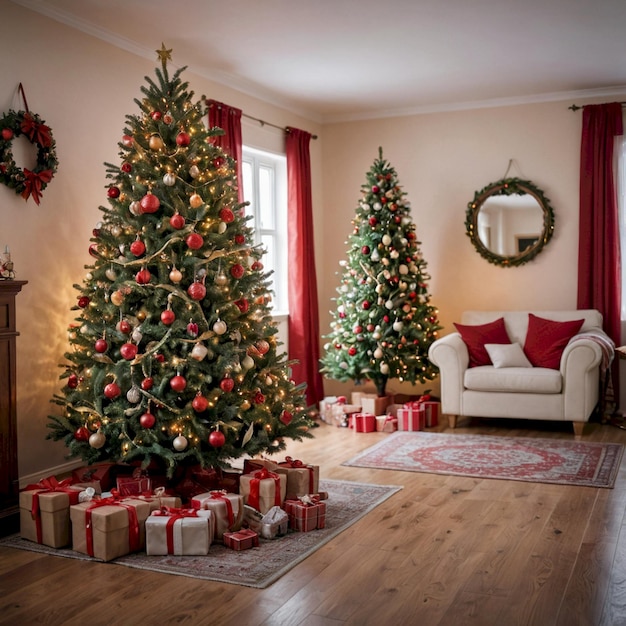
546, 340
475, 338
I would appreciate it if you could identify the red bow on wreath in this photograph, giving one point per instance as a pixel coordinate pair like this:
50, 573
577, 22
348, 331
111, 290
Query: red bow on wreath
36, 132
33, 183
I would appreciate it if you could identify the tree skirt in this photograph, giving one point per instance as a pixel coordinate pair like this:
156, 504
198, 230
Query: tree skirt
257, 567
563, 462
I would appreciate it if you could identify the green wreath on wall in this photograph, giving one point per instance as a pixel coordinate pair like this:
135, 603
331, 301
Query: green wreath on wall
27, 182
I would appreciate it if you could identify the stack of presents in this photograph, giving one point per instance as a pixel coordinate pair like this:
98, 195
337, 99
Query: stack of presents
367, 412
110, 510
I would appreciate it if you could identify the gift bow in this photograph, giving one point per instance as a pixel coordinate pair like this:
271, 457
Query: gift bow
49, 485
219, 495
255, 487
39, 133
133, 522
34, 182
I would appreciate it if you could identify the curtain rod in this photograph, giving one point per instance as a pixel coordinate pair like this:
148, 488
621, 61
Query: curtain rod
264, 123
575, 107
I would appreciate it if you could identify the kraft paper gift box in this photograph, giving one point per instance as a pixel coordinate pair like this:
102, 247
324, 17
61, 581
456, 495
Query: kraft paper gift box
227, 510
263, 489
158, 499
109, 527
45, 511
179, 532
363, 423
412, 417
306, 513
302, 478
371, 403
241, 540
274, 523
386, 423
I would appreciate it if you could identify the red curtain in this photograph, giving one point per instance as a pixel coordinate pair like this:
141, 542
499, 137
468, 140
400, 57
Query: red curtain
229, 120
599, 270
303, 306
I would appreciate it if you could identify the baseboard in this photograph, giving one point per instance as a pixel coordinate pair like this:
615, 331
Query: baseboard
57, 471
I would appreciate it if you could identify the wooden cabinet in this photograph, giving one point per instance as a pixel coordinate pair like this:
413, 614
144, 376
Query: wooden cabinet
9, 477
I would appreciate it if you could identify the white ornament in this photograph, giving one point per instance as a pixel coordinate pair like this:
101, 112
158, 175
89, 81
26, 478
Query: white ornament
194, 171
97, 440
221, 229
136, 335
378, 353
398, 326
169, 179
111, 274
248, 362
116, 230
199, 351
394, 254
389, 304
384, 368
375, 256
133, 395
403, 269
176, 275
135, 208
386, 239
180, 443
219, 328
377, 206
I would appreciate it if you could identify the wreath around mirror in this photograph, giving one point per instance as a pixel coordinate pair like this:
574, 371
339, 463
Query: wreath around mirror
510, 187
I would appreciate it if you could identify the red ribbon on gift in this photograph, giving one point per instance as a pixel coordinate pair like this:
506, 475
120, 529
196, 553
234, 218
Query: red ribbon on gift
174, 515
133, 523
33, 183
38, 133
219, 495
297, 464
49, 485
255, 486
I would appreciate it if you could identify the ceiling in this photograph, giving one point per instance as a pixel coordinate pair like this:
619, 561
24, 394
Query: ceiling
338, 60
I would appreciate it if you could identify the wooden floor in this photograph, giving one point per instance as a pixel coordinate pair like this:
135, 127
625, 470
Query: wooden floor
443, 551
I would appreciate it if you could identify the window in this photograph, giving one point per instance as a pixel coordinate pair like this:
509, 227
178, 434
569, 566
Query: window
264, 178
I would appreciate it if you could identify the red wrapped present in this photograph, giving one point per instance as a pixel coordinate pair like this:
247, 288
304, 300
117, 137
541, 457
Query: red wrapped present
363, 423
306, 513
45, 511
179, 531
263, 489
432, 413
241, 540
101, 472
227, 510
412, 416
109, 527
134, 485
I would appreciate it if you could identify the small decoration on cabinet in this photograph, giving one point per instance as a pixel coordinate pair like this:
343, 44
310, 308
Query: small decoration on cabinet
26, 182
6, 266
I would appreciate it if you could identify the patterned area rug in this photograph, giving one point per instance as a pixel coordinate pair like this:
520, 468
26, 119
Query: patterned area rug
257, 567
563, 462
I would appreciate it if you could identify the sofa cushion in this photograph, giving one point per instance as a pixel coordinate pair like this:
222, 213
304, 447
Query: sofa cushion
513, 379
546, 340
507, 355
475, 338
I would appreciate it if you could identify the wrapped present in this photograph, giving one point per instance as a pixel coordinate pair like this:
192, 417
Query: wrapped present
135, 485
431, 410
269, 526
412, 417
302, 478
159, 499
241, 540
263, 489
106, 528
306, 513
100, 472
227, 510
179, 531
363, 423
45, 511
373, 404
386, 423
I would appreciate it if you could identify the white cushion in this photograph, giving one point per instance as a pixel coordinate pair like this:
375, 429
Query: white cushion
513, 379
507, 355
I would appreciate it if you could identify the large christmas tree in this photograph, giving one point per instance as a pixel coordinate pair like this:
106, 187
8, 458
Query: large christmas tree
384, 323
174, 359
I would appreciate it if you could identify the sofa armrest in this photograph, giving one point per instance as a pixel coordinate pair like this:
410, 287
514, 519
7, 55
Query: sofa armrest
450, 355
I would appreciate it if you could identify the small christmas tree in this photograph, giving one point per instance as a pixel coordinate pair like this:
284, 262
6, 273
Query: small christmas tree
173, 355
383, 324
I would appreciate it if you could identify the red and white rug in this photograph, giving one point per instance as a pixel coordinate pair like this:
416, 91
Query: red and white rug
563, 462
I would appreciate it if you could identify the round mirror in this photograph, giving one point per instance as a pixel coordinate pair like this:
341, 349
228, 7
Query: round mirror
509, 221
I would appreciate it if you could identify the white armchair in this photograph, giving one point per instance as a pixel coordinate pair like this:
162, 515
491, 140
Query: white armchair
569, 393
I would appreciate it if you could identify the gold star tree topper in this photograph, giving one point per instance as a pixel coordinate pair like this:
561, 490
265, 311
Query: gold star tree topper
164, 54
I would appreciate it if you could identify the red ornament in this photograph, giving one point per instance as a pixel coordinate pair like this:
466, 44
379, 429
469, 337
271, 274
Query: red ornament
149, 203
196, 291
227, 384
375, 189
146, 383
226, 215
286, 418
239, 239
177, 221
242, 305
192, 329
259, 398
113, 192
128, 351
168, 317
178, 383
72, 381
112, 391
352, 351
156, 115
237, 271
128, 141
125, 327
200, 403
263, 346
83, 301
7, 134
373, 221
366, 305
365, 250
183, 139
383, 200
257, 265
93, 250
159, 357
194, 241
138, 247
217, 438
127, 168
101, 346
82, 434
147, 420
143, 276
219, 161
